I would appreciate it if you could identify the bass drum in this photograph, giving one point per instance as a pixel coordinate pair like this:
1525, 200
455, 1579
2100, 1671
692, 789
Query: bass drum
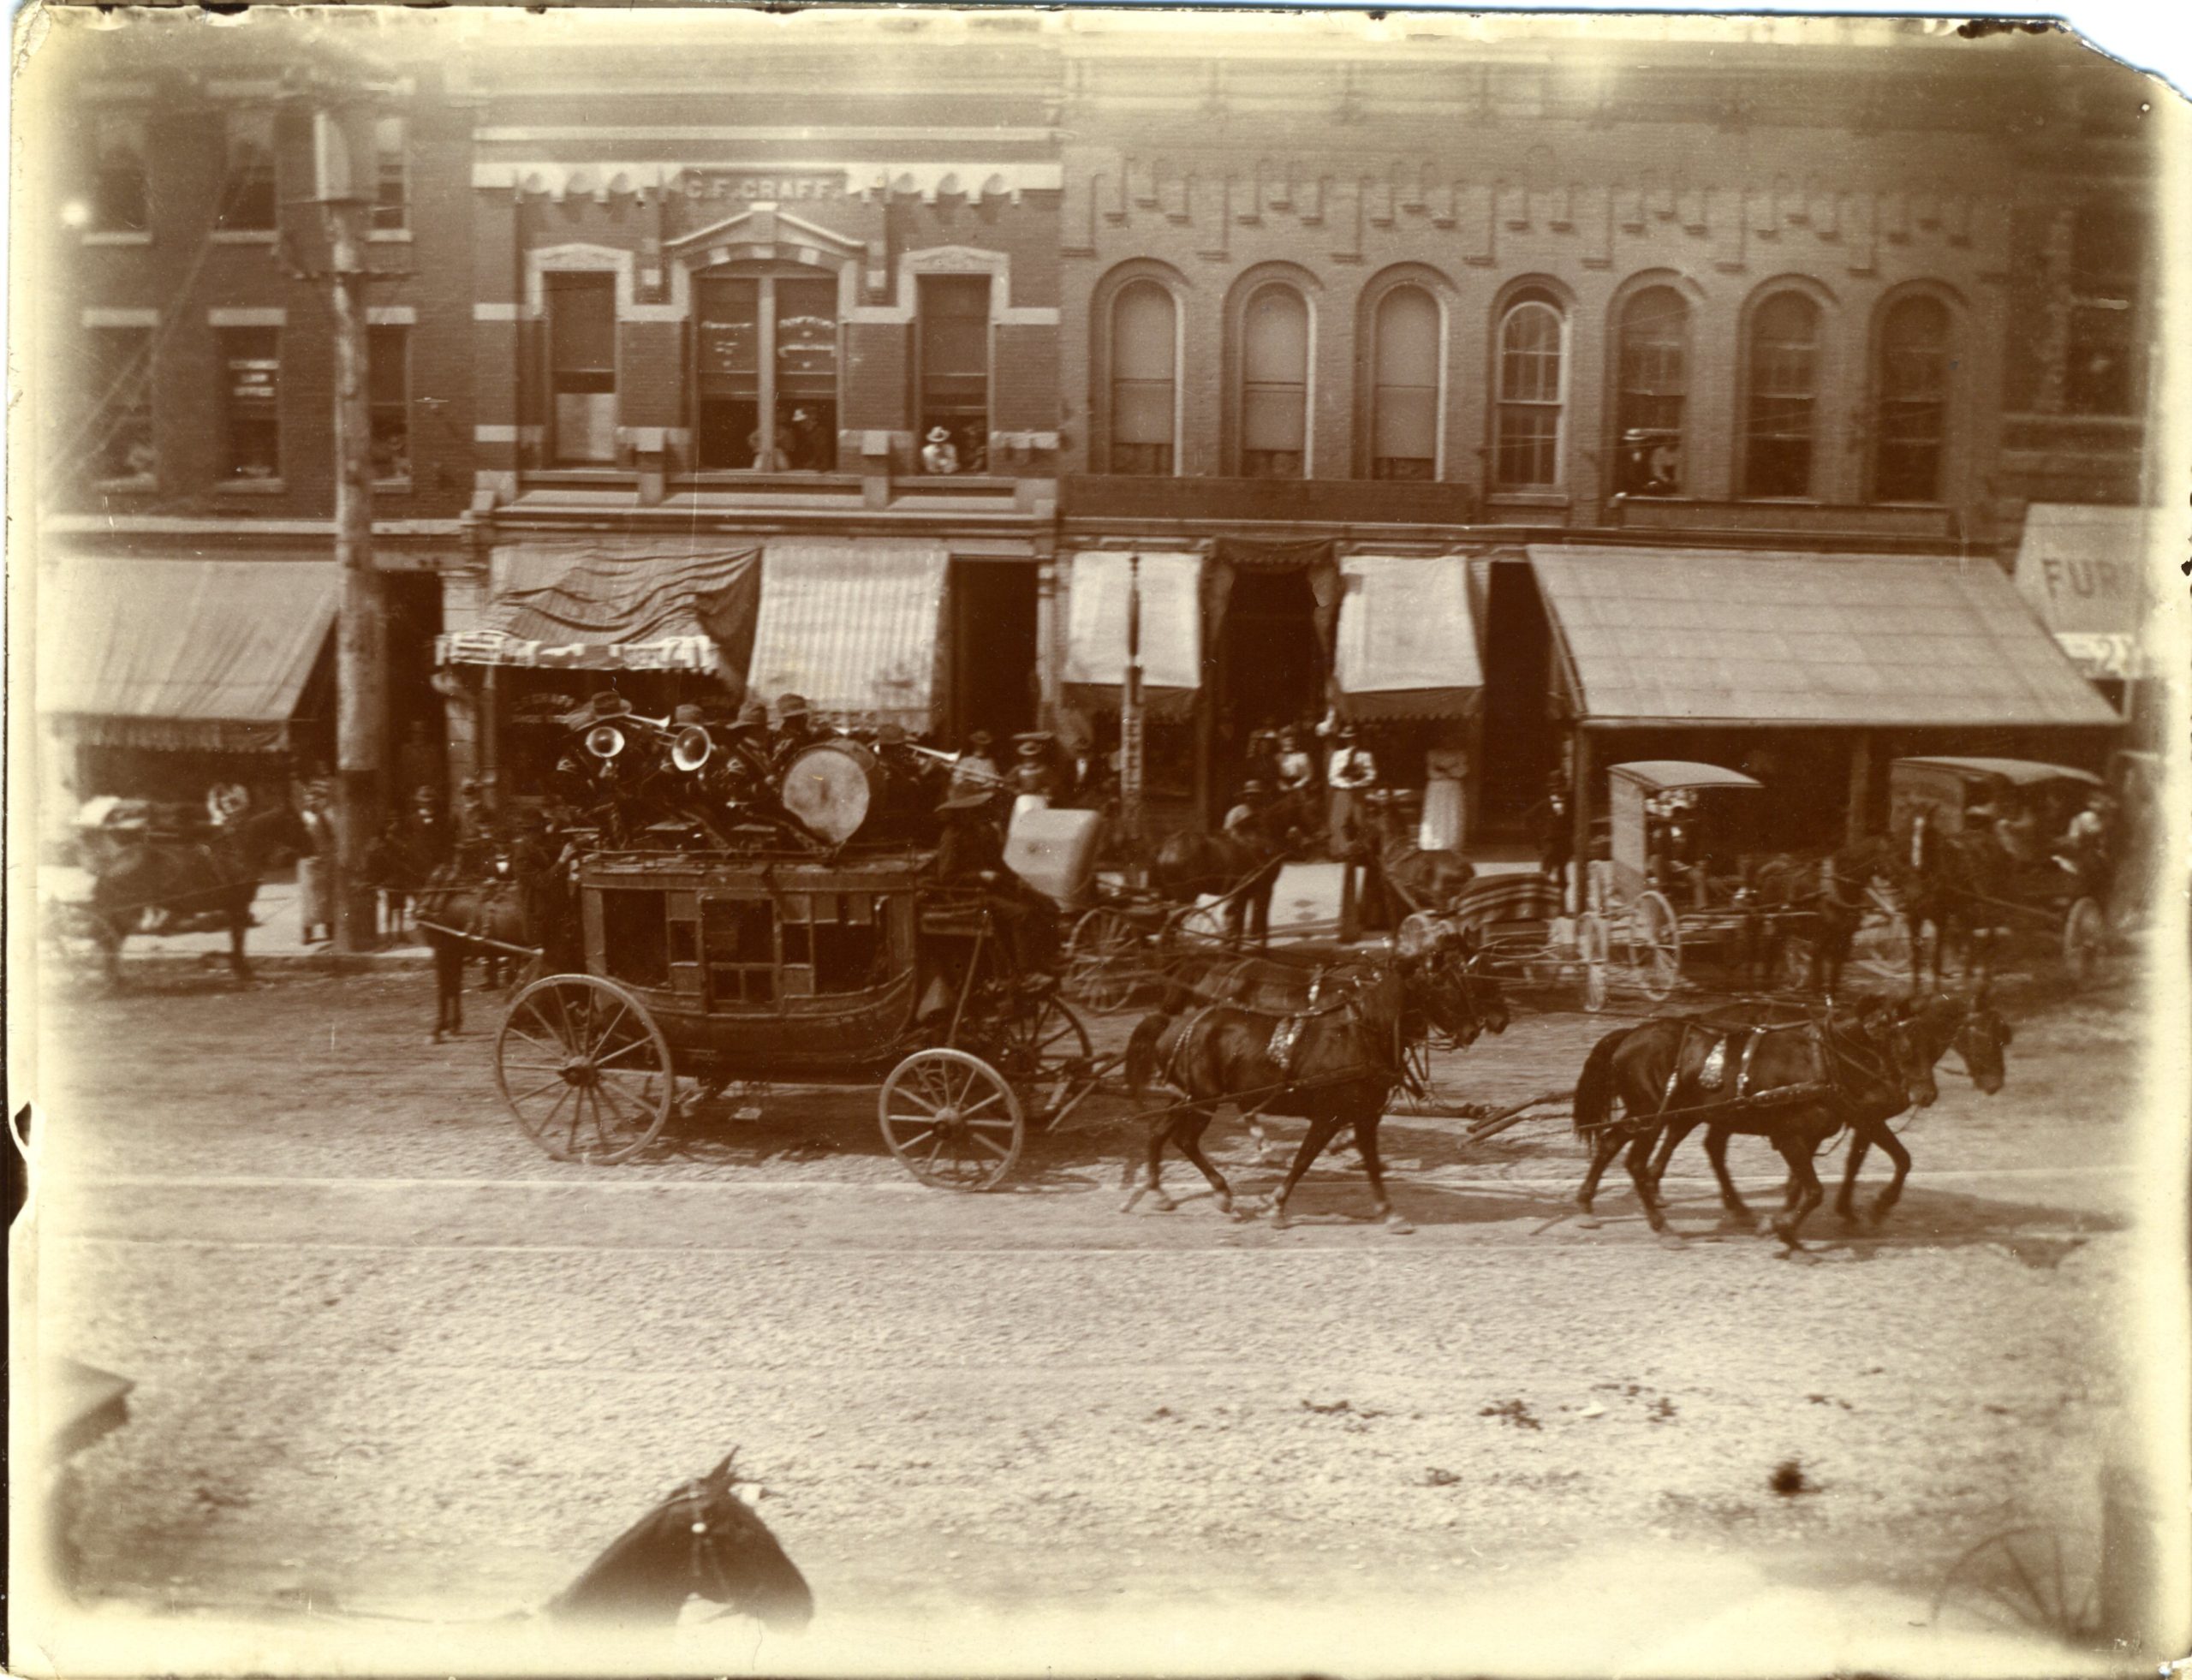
833, 787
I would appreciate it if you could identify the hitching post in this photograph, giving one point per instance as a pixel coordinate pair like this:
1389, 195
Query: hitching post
1131, 728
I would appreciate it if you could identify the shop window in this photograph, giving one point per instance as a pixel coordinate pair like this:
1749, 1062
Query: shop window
392, 177
1654, 389
248, 201
122, 396
251, 362
1526, 447
1781, 414
1274, 384
738, 940
1143, 337
1404, 402
582, 365
955, 363
2108, 258
389, 394
765, 378
634, 936
1914, 402
121, 185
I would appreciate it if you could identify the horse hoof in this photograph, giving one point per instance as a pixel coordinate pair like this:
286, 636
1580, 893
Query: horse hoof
1166, 1204
1398, 1226
1589, 1222
1671, 1239
1127, 1206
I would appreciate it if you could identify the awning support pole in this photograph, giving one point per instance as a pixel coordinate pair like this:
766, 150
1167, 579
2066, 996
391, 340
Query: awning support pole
1579, 804
1130, 727
1861, 788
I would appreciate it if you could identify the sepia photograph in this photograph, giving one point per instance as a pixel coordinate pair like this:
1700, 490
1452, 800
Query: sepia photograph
917, 840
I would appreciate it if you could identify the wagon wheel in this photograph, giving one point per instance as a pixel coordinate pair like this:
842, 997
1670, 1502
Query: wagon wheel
2085, 935
1591, 944
1655, 933
1104, 960
951, 1119
584, 1068
1043, 1049
2025, 1581
1198, 925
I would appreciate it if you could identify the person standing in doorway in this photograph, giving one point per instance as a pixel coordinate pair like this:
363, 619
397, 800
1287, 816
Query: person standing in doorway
1350, 773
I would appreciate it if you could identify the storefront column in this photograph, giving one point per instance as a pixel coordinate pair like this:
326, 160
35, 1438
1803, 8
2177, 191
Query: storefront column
1859, 820
1046, 642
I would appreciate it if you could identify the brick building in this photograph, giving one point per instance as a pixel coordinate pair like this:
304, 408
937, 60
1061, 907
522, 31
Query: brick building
1397, 350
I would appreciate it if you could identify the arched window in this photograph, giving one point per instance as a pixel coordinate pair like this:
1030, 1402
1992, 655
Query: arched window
1654, 389
1526, 447
1143, 378
1914, 399
1781, 420
1274, 384
1404, 400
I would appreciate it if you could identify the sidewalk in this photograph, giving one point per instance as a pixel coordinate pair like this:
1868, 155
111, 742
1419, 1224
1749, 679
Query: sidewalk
275, 941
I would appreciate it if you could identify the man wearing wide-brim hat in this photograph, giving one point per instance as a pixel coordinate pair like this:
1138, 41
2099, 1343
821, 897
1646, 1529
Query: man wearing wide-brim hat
970, 855
795, 730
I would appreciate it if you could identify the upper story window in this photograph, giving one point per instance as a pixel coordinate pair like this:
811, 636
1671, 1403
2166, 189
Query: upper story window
1781, 415
120, 433
388, 382
1144, 339
2108, 259
122, 199
1654, 390
392, 177
1275, 384
765, 378
1914, 402
248, 201
1526, 446
581, 365
1404, 398
251, 361
952, 380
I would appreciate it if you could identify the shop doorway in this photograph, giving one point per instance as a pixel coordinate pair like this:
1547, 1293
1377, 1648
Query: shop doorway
1272, 671
992, 651
1520, 743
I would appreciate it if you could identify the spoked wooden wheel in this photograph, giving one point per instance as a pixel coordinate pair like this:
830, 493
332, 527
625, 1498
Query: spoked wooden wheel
1656, 933
2025, 1581
1044, 1051
2085, 935
585, 1069
951, 1119
1199, 926
1104, 963
1592, 945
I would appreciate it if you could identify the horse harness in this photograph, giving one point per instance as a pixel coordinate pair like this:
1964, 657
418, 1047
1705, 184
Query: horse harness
1833, 1057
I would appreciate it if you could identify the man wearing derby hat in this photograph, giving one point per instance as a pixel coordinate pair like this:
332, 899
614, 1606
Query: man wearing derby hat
1351, 772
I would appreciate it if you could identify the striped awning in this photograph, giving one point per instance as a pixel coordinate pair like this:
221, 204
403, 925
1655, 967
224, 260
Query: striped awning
1406, 643
1673, 636
854, 627
186, 654
630, 605
1170, 640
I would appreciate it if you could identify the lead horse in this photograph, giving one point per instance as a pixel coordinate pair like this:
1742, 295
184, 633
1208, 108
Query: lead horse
215, 879
1335, 1065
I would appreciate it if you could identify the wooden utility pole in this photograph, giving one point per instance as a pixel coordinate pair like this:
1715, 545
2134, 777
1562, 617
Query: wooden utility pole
1131, 727
345, 186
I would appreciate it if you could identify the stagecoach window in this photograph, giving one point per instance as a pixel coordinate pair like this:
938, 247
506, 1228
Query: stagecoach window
738, 937
848, 957
634, 936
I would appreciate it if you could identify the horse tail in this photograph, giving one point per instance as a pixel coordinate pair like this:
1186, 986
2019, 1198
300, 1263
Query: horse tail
1141, 1052
1594, 1085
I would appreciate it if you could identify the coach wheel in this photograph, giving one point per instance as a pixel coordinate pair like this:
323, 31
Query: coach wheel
951, 1119
1043, 1050
1104, 961
1793, 963
2025, 1581
1658, 935
1591, 944
2084, 935
584, 1068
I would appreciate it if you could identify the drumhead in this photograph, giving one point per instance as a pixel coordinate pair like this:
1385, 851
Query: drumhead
833, 787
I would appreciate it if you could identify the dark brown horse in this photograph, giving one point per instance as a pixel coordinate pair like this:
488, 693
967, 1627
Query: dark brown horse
1335, 1066
1953, 884
701, 1541
194, 881
1795, 1082
463, 918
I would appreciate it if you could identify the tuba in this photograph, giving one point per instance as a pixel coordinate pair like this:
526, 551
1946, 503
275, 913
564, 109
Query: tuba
691, 748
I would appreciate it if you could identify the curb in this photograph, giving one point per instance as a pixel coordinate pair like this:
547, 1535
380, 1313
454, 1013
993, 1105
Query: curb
288, 962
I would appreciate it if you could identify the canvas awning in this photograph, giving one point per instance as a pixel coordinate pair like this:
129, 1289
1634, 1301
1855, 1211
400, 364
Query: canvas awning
852, 626
2080, 568
1170, 625
201, 655
1702, 636
614, 606
1407, 644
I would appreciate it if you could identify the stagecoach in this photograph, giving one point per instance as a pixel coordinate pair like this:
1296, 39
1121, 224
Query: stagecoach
833, 963
2010, 817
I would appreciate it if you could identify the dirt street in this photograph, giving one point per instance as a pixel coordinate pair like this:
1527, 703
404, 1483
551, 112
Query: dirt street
391, 1359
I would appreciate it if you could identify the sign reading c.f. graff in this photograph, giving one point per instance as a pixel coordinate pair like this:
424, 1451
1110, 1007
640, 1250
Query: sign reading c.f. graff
762, 186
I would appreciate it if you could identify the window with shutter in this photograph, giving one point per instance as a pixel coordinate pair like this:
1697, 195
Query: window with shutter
1143, 321
1404, 403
